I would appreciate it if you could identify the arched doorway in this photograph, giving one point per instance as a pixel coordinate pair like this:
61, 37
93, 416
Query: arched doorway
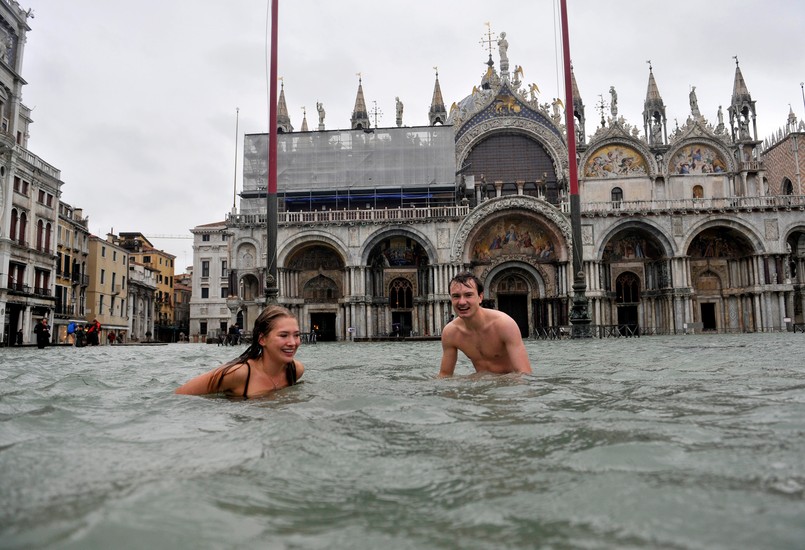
715, 253
511, 294
627, 300
401, 303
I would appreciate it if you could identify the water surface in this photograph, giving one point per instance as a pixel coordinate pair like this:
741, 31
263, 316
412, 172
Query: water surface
658, 442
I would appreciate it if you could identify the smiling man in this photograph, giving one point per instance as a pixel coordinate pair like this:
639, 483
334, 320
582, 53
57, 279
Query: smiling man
489, 338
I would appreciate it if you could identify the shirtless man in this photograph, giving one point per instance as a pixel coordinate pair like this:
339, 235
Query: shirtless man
489, 338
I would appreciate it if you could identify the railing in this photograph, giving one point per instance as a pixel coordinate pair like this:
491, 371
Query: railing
79, 279
693, 205
37, 162
388, 215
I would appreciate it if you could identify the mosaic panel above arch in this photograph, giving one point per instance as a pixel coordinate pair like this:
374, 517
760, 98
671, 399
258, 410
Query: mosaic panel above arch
615, 160
514, 235
697, 158
632, 243
315, 257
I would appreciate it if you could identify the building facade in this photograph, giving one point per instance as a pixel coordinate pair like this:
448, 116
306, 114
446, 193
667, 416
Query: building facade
680, 227
29, 198
141, 301
107, 293
143, 252
72, 253
210, 298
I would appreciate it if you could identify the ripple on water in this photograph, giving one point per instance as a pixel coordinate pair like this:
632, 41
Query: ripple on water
692, 442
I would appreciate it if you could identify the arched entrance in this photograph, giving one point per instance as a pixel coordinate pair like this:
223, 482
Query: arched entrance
511, 293
627, 299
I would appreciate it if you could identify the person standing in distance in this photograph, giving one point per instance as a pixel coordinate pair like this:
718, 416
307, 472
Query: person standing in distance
42, 331
489, 338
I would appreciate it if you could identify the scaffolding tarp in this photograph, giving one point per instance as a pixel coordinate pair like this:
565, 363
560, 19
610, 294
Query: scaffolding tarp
353, 159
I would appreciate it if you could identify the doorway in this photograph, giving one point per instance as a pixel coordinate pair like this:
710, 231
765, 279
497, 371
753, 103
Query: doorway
516, 306
627, 320
708, 311
400, 324
324, 325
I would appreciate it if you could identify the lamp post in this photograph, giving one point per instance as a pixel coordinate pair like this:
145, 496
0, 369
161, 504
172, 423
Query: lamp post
579, 313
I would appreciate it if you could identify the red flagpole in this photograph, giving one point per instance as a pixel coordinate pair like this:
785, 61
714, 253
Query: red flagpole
271, 188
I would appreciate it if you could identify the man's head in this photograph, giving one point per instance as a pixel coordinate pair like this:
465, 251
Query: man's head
466, 293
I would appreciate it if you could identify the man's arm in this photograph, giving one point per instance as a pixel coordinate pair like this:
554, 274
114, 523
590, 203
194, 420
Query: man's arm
515, 348
449, 355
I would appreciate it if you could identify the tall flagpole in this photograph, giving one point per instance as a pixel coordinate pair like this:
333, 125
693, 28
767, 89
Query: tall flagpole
579, 313
235, 181
271, 189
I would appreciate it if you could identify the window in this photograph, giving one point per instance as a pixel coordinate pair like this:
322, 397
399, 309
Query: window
48, 233
205, 238
100, 306
50, 200
202, 328
114, 255
41, 197
205, 268
40, 233
103, 252
224, 237
13, 229
224, 272
224, 292
17, 184
146, 259
617, 194
205, 292
114, 276
103, 276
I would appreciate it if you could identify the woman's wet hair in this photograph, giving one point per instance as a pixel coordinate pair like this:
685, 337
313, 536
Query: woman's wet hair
262, 326
464, 278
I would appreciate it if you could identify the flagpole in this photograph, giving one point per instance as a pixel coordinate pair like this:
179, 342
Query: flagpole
579, 312
271, 188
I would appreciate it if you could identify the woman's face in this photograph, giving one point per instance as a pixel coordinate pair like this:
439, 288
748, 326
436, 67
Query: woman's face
282, 341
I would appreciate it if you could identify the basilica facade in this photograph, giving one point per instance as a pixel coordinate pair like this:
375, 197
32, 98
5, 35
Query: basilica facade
681, 228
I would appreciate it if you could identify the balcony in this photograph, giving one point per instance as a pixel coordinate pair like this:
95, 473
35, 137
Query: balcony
79, 279
664, 207
386, 215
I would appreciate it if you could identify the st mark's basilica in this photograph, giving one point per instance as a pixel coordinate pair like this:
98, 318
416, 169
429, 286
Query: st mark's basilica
683, 227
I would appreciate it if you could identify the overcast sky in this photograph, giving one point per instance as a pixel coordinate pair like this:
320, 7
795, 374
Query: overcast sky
135, 102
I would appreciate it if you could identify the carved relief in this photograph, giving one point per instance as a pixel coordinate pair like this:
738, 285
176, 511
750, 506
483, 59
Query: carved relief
443, 238
772, 230
587, 235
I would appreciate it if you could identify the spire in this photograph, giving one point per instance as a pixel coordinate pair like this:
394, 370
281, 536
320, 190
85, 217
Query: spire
304, 120
438, 112
283, 120
654, 120
742, 108
578, 107
360, 116
739, 90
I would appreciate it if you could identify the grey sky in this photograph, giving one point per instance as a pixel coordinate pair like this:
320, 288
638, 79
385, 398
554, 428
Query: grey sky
135, 101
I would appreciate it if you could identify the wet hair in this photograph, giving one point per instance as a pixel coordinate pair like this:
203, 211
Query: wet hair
262, 326
464, 278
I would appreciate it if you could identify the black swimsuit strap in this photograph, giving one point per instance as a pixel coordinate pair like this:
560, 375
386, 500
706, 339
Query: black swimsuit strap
248, 375
290, 373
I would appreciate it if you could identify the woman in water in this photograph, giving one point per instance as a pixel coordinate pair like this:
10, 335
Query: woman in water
267, 364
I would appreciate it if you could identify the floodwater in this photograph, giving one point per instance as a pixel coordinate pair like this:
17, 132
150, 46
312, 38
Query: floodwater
657, 442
